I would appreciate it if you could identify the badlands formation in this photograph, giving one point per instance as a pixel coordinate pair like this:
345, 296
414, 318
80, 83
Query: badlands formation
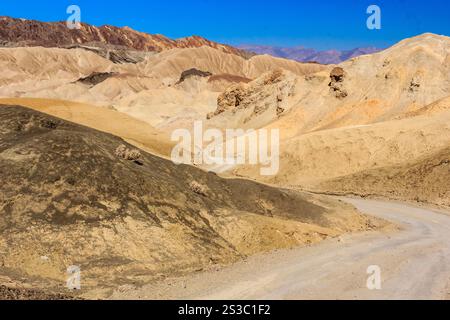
85, 139
384, 116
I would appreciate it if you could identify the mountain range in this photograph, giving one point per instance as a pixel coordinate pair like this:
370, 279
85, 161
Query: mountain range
303, 54
15, 32
23, 32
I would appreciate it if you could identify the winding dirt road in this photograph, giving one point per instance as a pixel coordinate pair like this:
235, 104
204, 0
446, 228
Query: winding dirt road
414, 264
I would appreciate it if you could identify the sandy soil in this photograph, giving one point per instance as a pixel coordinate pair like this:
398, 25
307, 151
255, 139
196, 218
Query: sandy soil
7, 293
414, 262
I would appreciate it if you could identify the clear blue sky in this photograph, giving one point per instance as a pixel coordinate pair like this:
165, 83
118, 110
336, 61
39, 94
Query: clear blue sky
321, 24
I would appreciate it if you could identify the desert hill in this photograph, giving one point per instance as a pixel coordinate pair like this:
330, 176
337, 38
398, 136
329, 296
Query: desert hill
431, 109
386, 110
372, 111
367, 89
327, 154
180, 104
150, 90
23, 32
21, 64
107, 120
172, 63
425, 179
71, 195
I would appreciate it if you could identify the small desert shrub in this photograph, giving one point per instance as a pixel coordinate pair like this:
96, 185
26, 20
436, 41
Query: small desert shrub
128, 154
198, 188
49, 124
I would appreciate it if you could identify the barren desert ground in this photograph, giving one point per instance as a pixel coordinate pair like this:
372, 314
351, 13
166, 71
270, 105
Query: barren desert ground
336, 268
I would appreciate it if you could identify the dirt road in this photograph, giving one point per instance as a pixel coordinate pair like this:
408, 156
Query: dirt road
414, 264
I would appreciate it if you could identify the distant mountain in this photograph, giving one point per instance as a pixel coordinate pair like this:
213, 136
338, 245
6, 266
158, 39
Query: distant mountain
309, 55
23, 32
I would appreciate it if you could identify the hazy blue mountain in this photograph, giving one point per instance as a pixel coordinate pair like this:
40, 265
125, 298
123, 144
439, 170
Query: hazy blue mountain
303, 54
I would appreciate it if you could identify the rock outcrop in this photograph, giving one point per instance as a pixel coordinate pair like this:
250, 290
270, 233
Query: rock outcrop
116, 54
336, 85
269, 92
193, 72
96, 78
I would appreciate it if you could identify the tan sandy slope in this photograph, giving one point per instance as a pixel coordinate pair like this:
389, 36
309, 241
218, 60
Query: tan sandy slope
171, 63
425, 179
131, 129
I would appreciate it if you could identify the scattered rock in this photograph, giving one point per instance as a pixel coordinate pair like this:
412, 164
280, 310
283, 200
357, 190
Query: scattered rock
280, 110
49, 124
198, 188
414, 85
129, 154
126, 288
7, 293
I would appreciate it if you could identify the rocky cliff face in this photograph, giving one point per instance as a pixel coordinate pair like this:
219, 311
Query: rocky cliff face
22, 32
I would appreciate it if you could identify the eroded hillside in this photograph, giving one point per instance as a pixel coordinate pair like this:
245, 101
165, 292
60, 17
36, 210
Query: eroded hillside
71, 195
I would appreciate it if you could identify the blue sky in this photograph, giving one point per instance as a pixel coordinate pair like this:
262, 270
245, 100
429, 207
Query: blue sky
320, 24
